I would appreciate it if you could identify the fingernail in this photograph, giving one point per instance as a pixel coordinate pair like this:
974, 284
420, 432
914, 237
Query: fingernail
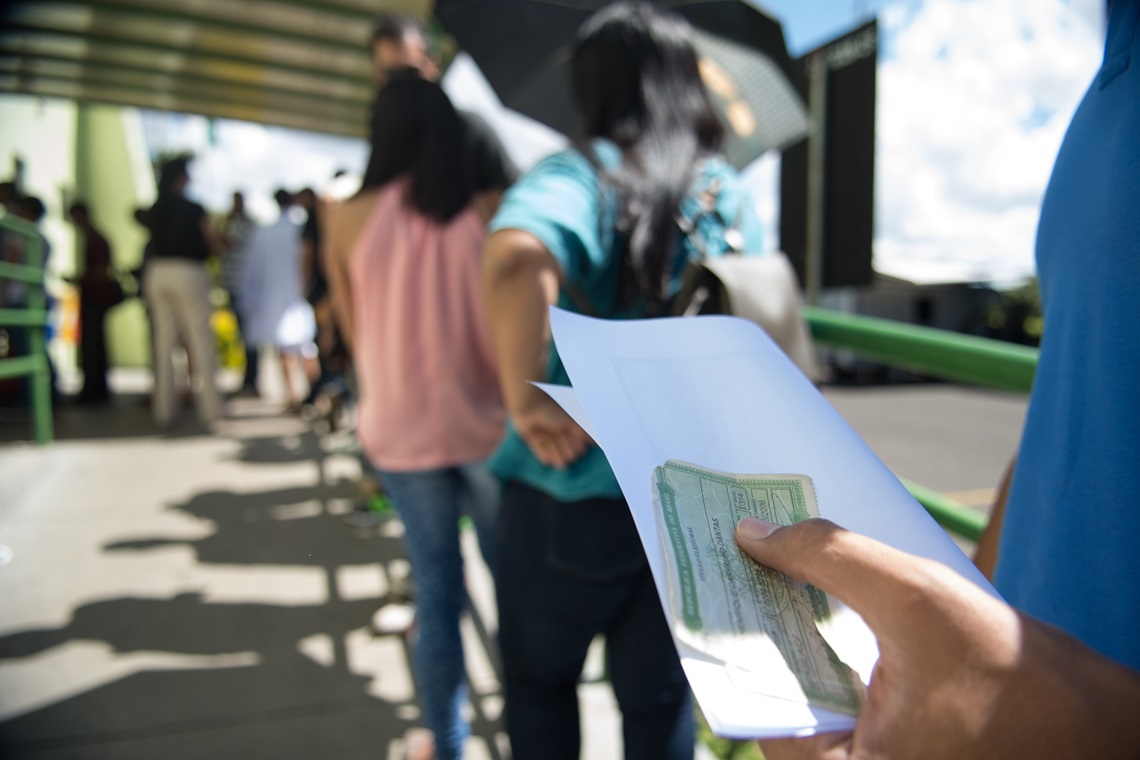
754, 527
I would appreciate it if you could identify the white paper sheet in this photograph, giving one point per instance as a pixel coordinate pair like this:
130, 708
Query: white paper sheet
716, 391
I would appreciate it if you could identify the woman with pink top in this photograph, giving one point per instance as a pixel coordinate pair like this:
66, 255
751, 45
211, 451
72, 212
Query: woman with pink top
404, 260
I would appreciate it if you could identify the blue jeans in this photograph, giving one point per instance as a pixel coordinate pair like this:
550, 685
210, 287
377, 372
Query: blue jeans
430, 503
568, 572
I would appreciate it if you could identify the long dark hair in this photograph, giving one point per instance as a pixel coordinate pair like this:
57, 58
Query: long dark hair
636, 82
416, 132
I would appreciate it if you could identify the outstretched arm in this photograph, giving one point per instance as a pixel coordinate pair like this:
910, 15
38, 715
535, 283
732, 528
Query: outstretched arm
520, 279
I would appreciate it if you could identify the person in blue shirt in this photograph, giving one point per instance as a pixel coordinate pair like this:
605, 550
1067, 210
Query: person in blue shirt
1068, 550
595, 229
1056, 671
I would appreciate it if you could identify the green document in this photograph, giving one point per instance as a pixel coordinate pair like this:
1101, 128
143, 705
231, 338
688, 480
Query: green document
760, 624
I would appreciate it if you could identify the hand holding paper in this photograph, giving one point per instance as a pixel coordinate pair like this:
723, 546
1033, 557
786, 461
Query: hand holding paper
716, 392
960, 673
759, 622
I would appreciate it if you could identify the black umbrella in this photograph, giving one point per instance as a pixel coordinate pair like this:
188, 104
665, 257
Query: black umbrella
523, 48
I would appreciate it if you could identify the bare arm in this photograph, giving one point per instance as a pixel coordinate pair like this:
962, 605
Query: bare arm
307, 253
334, 259
520, 279
986, 555
960, 674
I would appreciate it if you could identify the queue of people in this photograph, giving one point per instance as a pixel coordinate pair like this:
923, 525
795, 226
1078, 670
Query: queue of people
594, 230
271, 274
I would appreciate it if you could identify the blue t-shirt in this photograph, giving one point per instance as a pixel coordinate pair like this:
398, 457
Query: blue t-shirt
562, 203
1070, 547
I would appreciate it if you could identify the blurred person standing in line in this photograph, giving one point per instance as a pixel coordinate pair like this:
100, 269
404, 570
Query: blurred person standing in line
597, 229
316, 289
8, 196
31, 209
275, 312
237, 228
403, 257
177, 289
13, 293
99, 290
400, 47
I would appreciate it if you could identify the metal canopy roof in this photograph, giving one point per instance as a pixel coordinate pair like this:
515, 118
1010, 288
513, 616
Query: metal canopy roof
294, 63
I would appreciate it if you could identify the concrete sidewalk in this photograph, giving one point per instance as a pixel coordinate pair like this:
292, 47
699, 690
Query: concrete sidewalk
188, 596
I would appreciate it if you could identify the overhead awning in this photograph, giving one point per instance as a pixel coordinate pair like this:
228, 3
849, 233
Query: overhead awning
295, 63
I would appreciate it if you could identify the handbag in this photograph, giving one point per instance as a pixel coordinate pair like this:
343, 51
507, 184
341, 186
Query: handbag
105, 293
762, 289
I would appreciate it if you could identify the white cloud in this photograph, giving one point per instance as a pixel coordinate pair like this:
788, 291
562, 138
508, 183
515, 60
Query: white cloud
973, 103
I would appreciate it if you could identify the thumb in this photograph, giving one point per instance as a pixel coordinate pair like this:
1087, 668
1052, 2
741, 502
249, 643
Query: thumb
868, 576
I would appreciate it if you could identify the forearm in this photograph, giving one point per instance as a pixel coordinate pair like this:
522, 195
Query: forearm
307, 253
520, 279
340, 297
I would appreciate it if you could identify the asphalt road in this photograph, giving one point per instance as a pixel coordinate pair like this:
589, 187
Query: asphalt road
951, 438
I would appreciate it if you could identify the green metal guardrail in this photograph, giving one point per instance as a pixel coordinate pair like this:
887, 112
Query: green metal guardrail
33, 318
939, 353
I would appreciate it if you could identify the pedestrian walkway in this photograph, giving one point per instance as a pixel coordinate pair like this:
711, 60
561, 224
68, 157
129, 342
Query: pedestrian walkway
189, 596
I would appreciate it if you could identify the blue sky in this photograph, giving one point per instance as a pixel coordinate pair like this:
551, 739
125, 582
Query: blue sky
810, 23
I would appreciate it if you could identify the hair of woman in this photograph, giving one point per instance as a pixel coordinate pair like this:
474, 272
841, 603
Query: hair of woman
636, 82
417, 133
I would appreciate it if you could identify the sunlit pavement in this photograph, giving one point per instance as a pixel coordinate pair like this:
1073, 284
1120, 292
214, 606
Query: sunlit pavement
192, 595
186, 595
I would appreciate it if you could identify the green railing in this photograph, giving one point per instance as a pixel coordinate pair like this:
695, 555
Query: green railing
938, 353
33, 318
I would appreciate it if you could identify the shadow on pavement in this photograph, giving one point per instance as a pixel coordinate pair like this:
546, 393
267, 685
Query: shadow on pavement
275, 449
284, 705
269, 699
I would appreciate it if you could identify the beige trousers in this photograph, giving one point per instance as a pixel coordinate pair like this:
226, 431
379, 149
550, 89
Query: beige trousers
178, 296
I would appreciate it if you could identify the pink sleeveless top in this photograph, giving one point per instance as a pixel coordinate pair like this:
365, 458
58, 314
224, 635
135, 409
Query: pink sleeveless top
429, 391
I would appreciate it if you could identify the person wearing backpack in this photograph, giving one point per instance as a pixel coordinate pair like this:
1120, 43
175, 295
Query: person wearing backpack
607, 228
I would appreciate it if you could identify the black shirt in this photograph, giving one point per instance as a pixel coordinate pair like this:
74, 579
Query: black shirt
176, 230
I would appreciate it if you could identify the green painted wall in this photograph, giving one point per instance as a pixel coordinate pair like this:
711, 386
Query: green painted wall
114, 177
